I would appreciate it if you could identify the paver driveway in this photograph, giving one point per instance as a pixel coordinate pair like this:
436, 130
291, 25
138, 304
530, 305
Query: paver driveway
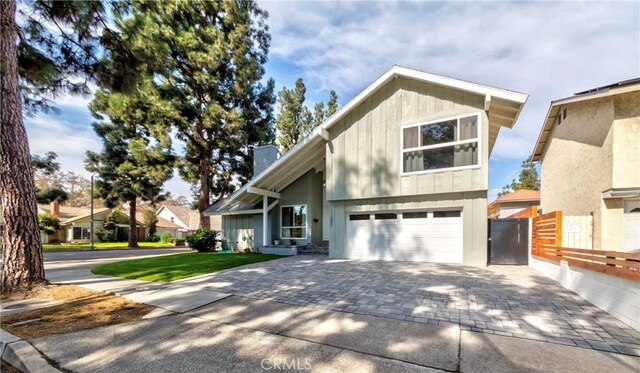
503, 300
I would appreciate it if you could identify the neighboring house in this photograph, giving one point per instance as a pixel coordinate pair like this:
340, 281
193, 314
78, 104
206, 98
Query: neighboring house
186, 220
514, 203
398, 173
75, 222
589, 151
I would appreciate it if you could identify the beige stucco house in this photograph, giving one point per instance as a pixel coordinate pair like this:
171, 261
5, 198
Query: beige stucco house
183, 221
398, 173
589, 151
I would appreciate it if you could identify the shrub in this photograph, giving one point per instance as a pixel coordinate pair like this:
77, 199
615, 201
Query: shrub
179, 241
202, 240
154, 238
165, 237
48, 223
106, 235
171, 240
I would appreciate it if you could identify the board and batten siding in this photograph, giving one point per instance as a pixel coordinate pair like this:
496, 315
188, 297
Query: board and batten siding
238, 232
363, 163
364, 151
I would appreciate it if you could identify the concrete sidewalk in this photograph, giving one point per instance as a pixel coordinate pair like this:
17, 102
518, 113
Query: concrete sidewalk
239, 334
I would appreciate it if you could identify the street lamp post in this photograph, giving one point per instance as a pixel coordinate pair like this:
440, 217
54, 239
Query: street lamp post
91, 233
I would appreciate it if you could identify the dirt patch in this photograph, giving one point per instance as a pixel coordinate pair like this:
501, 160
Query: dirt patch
81, 309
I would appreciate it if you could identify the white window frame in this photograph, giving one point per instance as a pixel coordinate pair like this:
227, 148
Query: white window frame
83, 230
306, 223
446, 144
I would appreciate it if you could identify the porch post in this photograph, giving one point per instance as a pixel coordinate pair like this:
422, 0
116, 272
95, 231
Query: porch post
265, 220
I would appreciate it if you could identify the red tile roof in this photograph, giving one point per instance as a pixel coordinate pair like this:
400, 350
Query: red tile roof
519, 195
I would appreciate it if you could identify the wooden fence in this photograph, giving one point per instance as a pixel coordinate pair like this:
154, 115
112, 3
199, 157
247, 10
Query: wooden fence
547, 244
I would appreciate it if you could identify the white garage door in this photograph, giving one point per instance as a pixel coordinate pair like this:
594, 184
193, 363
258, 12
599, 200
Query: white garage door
433, 236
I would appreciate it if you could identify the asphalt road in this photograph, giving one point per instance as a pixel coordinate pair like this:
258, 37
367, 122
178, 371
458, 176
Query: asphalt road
56, 262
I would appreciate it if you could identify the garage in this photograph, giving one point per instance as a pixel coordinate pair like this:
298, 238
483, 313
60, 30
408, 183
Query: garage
417, 236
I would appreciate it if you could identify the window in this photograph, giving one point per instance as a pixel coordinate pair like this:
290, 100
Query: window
448, 143
172, 219
446, 214
387, 216
414, 215
359, 217
81, 233
294, 221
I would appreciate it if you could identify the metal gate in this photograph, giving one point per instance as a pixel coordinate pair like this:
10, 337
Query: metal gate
508, 241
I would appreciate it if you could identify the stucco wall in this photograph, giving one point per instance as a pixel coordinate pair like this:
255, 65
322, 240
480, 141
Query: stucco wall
626, 137
508, 209
474, 216
577, 163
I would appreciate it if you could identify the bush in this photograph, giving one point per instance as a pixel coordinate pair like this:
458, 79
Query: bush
165, 237
171, 240
202, 240
179, 241
106, 235
154, 238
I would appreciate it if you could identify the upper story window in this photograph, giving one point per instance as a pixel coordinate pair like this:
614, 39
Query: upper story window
444, 144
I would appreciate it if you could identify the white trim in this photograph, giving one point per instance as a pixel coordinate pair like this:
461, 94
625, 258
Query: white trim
306, 223
478, 140
393, 72
324, 134
263, 192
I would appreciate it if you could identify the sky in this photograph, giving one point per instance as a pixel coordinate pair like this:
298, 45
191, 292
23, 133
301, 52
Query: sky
548, 50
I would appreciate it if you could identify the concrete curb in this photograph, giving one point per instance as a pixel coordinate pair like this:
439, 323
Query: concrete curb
22, 355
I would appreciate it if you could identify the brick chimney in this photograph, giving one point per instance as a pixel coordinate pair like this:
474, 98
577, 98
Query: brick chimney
263, 157
55, 208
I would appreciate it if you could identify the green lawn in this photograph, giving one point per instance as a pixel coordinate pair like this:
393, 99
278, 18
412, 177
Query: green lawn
175, 267
100, 245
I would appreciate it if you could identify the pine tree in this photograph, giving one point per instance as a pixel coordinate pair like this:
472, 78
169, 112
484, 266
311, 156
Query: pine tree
295, 120
332, 105
45, 166
136, 158
44, 56
207, 59
528, 179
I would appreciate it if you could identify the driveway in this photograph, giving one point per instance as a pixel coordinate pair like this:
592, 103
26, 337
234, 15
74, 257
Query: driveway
502, 300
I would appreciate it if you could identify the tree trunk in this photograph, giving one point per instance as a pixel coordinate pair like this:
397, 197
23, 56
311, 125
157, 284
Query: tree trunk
22, 265
133, 225
203, 195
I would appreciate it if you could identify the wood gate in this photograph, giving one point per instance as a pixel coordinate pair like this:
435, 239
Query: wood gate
508, 241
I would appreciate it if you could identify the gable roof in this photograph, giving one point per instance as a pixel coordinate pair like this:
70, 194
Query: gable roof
70, 214
591, 94
182, 213
505, 107
520, 195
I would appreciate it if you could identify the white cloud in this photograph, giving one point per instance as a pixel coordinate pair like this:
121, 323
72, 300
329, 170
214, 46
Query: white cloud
69, 140
547, 50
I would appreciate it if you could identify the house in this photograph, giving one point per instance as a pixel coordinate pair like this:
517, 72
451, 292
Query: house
398, 173
589, 152
186, 220
522, 202
75, 222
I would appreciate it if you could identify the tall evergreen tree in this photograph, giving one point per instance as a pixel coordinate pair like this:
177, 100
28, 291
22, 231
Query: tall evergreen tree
332, 105
44, 166
527, 179
54, 45
136, 157
295, 120
207, 58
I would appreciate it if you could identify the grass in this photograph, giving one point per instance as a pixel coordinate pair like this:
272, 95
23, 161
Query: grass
81, 309
175, 267
101, 245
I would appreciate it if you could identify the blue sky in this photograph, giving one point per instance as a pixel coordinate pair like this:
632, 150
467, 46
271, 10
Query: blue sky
548, 50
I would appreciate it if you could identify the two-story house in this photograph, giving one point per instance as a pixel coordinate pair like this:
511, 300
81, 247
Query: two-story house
589, 152
398, 173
